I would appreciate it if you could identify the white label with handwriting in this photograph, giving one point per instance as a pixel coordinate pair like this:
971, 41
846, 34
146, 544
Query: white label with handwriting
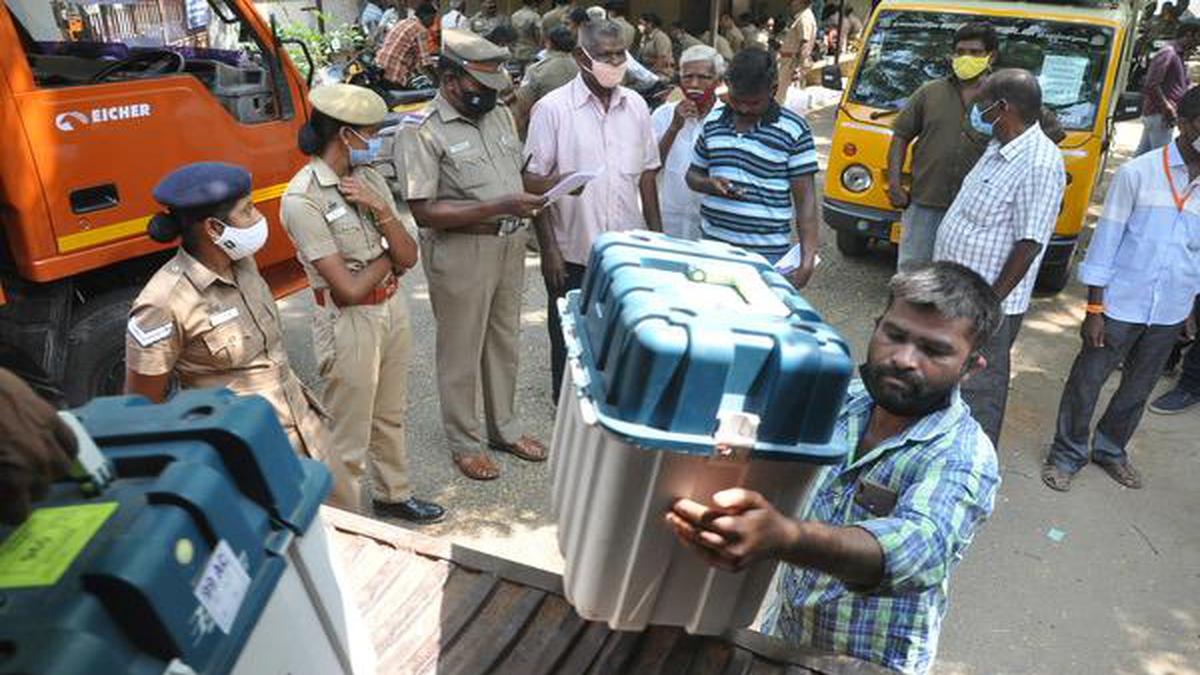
222, 587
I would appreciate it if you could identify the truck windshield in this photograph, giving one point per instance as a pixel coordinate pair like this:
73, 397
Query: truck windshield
907, 49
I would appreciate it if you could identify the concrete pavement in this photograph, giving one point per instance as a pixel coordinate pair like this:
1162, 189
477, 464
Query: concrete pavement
1118, 592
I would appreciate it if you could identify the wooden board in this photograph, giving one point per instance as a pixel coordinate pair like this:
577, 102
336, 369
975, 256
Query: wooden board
439, 608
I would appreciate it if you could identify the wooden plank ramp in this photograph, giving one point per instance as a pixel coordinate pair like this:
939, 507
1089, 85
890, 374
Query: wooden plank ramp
436, 608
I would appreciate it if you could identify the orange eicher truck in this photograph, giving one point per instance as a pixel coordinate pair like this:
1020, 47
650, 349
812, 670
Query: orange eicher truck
98, 100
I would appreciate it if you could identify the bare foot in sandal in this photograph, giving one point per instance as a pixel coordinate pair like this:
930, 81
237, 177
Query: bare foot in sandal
478, 467
527, 448
1055, 478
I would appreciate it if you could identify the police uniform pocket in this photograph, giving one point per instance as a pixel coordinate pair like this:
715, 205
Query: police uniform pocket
469, 167
348, 233
229, 345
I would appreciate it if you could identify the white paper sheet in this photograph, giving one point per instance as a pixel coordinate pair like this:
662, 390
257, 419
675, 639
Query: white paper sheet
1062, 78
569, 183
791, 260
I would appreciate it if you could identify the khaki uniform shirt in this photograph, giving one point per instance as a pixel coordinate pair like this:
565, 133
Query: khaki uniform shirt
946, 148
799, 39
443, 155
321, 222
687, 40
543, 77
528, 25
656, 52
211, 331
481, 24
555, 18
628, 32
736, 38
721, 45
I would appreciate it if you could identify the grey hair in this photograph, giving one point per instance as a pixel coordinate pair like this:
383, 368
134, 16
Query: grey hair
955, 291
703, 53
592, 32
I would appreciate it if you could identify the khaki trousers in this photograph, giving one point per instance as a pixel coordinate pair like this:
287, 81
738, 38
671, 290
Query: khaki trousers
475, 287
362, 353
787, 68
347, 492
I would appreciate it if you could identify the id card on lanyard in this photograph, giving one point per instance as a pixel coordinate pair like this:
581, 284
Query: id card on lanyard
1180, 202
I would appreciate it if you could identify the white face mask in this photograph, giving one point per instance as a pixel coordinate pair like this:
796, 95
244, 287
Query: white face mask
240, 242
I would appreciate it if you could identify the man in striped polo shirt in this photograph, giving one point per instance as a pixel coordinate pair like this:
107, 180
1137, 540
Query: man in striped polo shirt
754, 163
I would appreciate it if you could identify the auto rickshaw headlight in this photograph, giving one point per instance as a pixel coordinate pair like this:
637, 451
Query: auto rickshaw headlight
856, 178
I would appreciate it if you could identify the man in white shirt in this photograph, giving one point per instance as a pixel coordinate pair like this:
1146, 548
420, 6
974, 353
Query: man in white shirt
676, 126
1002, 219
455, 19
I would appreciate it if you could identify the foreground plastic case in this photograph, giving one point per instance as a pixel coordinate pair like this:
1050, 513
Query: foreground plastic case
199, 552
693, 367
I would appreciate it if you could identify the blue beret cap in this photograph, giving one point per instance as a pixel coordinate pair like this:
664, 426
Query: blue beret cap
202, 184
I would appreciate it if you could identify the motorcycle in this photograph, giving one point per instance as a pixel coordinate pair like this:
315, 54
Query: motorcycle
359, 68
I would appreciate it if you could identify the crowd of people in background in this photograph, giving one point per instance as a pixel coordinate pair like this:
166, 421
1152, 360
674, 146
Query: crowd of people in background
717, 155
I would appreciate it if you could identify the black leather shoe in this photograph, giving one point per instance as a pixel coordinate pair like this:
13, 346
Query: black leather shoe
412, 509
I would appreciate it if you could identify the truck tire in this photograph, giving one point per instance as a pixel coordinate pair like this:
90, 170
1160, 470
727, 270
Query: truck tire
96, 347
852, 245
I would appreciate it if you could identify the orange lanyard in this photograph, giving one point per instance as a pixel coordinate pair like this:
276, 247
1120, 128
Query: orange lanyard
1179, 201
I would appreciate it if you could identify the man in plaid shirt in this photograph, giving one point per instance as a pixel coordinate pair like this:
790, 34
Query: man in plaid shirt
1002, 219
405, 50
869, 559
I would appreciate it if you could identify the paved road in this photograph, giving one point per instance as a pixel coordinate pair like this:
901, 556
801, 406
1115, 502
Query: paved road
1120, 593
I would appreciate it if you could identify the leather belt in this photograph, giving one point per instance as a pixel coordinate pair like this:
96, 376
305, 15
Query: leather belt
485, 229
788, 55
379, 294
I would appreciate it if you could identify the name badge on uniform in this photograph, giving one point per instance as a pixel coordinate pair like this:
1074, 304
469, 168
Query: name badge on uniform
459, 147
224, 316
335, 213
146, 338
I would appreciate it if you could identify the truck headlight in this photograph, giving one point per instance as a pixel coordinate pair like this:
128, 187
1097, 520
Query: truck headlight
856, 178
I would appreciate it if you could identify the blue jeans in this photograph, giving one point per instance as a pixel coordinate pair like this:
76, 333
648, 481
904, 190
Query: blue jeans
1155, 134
920, 232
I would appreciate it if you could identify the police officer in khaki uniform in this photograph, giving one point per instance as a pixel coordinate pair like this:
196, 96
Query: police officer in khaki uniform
557, 68
208, 318
459, 166
796, 49
354, 243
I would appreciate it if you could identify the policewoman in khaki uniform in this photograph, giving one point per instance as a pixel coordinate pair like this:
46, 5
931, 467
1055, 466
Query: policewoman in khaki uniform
459, 165
796, 48
208, 317
354, 243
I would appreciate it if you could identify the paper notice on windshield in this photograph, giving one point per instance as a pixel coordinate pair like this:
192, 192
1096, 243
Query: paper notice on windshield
569, 184
1062, 78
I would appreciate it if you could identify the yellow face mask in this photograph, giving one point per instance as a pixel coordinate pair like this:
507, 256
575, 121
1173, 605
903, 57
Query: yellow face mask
970, 67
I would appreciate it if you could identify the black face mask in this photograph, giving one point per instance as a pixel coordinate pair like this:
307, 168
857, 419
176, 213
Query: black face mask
917, 400
479, 103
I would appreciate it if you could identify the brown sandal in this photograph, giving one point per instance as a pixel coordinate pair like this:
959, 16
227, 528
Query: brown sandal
1123, 473
526, 448
1055, 478
478, 467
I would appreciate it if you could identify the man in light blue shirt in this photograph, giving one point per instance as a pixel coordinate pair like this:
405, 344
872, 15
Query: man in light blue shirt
1142, 270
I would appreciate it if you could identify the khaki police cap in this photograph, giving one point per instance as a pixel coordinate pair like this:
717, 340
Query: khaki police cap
349, 103
481, 58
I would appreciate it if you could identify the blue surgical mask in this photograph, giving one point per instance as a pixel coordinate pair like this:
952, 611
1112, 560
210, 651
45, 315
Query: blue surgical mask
977, 122
366, 155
